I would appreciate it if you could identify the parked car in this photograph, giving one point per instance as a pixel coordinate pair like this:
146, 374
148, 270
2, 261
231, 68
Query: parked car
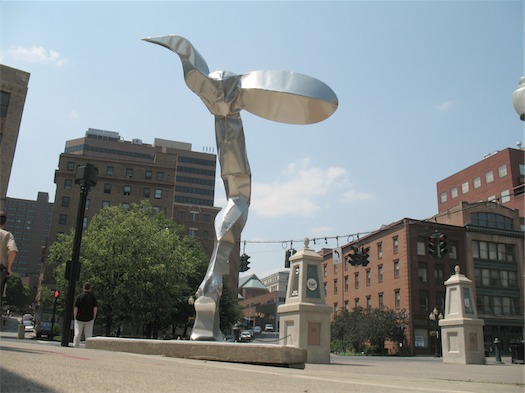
43, 328
257, 330
28, 325
268, 327
245, 336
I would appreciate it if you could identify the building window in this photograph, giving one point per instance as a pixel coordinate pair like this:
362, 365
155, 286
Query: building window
67, 184
346, 283
395, 241
336, 288
396, 268
146, 192
502, 171
148, 174
397, 299
192, 232
346, 305
70, 166
492, 220
380, 273
356, 302
62, 219
421, 249
325, 289
124, 205
464, 188
423, 301
335, 308
4, 103
369, 302
368, 274
107, 188
181, 216
335, 268
127, 190
380, 301
160, 176
206, 218
379, 250
158, 193
452, 252
129, 172
356, 280
439, 273
422, 272
489, 177
325, 270
443, 197
105, 204
477, 182
505, 196
454, 193
65, 201
110, 170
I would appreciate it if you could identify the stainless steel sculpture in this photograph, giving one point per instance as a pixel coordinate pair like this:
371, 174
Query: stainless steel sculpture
282, 96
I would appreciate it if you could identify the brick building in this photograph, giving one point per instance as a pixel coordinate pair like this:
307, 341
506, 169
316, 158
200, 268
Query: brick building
13, 91
499, 176
401, 275
29, 221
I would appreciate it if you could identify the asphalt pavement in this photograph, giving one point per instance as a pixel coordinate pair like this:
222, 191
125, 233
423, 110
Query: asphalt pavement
30, 365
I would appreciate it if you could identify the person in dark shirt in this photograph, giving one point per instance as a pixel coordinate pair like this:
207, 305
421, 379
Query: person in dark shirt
84, 314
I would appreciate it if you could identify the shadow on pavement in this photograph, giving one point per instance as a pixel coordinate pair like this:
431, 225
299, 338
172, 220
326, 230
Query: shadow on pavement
12, 382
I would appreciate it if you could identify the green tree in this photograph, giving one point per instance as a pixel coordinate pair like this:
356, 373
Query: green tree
141, 266
230, 311
17, 293
361, 326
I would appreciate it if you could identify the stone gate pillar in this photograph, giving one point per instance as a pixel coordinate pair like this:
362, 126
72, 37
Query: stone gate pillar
305, 318
461, 329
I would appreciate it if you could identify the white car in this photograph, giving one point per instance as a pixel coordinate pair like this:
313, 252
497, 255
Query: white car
268, 327
257, 330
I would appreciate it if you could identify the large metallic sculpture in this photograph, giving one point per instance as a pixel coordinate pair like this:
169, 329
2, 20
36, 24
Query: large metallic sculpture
282, 96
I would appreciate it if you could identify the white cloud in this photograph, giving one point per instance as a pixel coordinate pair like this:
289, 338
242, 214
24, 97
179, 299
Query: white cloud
303, 190
37, 55
73, 115
445, 106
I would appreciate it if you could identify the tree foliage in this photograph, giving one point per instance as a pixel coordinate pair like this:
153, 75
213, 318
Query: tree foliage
367, 329
141, 266
17, 293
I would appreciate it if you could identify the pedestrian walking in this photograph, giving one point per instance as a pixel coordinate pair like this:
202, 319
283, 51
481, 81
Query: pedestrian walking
84, 314
8, 252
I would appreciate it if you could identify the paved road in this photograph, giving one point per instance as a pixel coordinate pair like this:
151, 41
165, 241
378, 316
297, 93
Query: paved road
28, 365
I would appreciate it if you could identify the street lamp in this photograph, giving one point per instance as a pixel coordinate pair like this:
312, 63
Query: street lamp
518, 99
435, 316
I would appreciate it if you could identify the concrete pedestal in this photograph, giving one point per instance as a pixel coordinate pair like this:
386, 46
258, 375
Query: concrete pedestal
461, 330
305, 318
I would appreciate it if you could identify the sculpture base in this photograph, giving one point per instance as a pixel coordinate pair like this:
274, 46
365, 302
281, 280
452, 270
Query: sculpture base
261, 354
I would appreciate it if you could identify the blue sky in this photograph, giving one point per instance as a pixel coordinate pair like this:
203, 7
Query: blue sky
424, 90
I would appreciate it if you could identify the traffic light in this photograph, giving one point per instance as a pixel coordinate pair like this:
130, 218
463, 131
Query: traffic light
432, 246
243, 265
442, 245
287, 256
354, 256
365, 256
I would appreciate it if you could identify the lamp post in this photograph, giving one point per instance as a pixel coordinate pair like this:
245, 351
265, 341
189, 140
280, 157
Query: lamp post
435, 316
518, 99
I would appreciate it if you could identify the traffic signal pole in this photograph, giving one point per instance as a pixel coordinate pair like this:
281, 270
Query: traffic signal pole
86, 176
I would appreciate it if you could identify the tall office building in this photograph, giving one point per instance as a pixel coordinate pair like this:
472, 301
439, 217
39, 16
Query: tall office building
498, 177
178, 182
13, 91
29, 221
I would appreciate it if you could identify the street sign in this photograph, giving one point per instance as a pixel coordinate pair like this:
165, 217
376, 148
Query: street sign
337, 256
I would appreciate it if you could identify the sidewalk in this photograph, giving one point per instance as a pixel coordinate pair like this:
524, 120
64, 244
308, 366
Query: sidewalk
40, 366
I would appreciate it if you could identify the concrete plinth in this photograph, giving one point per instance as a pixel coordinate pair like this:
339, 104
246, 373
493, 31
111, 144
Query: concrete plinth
262, 354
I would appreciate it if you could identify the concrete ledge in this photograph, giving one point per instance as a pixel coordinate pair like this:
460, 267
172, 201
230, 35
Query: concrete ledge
262, 354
